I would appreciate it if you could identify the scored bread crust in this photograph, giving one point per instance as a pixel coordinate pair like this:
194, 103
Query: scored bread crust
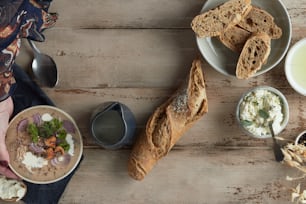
259, 20
168, 123
234, 38
214, 21
253, 55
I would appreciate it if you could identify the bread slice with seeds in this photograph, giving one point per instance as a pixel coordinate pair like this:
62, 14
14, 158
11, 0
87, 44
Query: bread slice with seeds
214, 21
258, 20
234, 38
253, 55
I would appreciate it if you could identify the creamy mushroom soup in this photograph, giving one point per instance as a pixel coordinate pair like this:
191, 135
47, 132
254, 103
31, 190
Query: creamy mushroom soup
44, 144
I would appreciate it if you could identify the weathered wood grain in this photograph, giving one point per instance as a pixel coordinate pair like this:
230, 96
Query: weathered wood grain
217, 127
121, 58
190, 175
151, 14
131, 58
109, 57
126, 14
138, 52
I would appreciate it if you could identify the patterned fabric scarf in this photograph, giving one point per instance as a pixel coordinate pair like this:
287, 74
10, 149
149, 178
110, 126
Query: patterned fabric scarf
20, 19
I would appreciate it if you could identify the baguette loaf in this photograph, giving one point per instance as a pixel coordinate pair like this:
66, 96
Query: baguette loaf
234, 38
215, 21
253, 55
168, 123
258, 20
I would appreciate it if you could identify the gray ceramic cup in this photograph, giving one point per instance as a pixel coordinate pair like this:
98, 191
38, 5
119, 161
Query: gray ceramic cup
113, 125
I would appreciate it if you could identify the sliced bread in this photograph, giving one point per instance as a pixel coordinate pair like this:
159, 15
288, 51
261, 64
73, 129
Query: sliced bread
253, 55
234, 38
258, 20
213, 22
11, 190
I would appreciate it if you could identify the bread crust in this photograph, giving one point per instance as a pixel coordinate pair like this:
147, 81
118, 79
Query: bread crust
259, 20
214, 21
253, 55
168, 123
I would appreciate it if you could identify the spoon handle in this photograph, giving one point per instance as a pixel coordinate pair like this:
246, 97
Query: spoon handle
279, 156
33, 46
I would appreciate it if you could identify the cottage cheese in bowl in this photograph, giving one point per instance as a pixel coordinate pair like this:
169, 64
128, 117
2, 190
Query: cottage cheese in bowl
261, 106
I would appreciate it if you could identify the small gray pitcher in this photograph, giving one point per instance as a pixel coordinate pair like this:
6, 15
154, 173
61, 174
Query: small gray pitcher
113, 125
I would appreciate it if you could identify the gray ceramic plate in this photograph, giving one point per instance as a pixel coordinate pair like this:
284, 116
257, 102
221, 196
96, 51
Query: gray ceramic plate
224, 60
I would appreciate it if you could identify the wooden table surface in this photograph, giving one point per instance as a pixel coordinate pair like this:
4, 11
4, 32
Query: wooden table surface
138, 52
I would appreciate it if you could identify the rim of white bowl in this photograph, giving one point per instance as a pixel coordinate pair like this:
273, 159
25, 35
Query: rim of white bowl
288, 60
298, 137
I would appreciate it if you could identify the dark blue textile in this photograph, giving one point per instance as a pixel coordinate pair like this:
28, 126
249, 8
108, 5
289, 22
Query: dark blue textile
25, 95
20, 19
18, 16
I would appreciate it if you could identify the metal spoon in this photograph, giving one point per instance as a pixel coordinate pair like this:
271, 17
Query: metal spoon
279, 156
43, 67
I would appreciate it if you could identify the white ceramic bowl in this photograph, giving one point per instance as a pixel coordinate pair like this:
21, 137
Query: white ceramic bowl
295, 67
224, 60
284, 106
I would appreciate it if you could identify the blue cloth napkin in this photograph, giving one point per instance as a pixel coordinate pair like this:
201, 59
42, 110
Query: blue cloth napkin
27, 93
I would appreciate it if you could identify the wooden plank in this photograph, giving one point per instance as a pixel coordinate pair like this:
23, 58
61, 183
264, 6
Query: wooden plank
190, 175
120, 58
217, 127
129, 58
136, 14
126, 14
